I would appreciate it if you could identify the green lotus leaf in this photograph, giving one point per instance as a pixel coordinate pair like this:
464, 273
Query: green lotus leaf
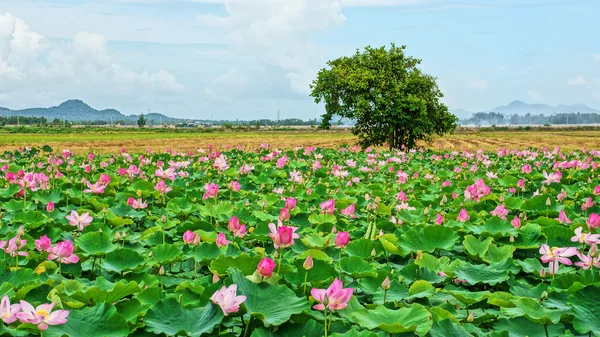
272, 304
409, 319
420, 289
475, 274
95, 243
476, 246
357, 267
101, 291
101, 320
122, 259
586, 309
496, 254
448, 328
170, 318
246, 264
166, 253
534, 311
522, 327
427, 239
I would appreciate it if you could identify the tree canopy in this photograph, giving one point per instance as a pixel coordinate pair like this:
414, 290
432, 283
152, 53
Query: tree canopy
389, 98
141, 121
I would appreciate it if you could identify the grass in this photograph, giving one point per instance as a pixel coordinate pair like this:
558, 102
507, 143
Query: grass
112, 140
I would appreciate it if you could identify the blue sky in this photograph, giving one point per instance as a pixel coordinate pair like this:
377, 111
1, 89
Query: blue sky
246, 59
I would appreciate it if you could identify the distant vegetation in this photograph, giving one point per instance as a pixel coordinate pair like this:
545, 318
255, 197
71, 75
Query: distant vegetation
495, 118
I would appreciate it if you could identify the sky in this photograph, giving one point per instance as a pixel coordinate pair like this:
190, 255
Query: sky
248, 59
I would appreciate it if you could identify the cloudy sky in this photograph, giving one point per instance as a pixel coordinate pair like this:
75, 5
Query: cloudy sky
249, 58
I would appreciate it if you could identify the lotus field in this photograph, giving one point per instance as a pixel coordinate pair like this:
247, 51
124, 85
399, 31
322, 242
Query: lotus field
304, 242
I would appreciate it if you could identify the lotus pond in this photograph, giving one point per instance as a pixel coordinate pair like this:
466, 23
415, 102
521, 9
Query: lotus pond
305, 242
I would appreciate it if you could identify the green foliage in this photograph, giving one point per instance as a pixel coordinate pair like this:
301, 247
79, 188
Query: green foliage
387, 96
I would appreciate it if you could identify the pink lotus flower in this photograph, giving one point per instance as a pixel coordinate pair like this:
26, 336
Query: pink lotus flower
227, 299
516, 222
308, 263
44, 244
333, 298
587, 261
500, 211
265, 267
587, 238
284, 214
593, 221
477, 191
328, 206
50, 207
283, 236
587, 204
63, 253
290, 203
342, 239
553, 177
162, 187
189, 237
42, 316
463, 215
562, 217
8, 312
80, 221
137, 203
439, 219
526, 168
556, 255
222, 240
236, 228
235, 186
349, 211
211, 191
596, 190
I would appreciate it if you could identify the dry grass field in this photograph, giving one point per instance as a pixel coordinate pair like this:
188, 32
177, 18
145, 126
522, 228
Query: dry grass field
106, 140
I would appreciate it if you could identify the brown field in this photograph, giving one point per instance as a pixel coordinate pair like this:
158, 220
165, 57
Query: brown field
98, 140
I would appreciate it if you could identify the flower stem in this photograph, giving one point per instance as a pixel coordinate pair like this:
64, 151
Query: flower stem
279, 260
305, 277
325, 320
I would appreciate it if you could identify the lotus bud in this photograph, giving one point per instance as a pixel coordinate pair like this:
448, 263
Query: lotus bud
215, 278
150, 254
548, 202
471, 317
20, 231
543, 272
511, 239
426, 210
544, 295
197, 240
373, 253
386, 283
99, 230
124, 235
308, 263
117, 236
164, 218
325, 300
161, 271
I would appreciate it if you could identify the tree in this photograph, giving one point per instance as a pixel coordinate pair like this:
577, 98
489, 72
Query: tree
141, 121
388, 97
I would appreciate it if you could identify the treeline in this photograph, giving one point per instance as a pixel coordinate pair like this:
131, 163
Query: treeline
266, 122
495, 118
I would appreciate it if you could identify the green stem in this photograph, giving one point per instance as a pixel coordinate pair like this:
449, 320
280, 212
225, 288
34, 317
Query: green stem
305, 278
340, 262
325, 321
247, 326
384, 296
546, 330
279, 260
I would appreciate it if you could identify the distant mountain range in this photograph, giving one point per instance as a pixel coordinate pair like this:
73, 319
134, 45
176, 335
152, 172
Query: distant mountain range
522, 108
77, 111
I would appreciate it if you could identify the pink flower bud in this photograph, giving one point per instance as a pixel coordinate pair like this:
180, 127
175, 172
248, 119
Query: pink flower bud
342, 239
308, 263
265, 267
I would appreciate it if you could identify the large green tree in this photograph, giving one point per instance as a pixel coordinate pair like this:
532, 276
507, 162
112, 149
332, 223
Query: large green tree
387, 96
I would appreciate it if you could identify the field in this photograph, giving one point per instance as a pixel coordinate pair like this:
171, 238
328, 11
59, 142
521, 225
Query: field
281, 240
105, 140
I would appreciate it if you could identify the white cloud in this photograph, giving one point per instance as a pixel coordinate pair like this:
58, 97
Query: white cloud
38, 68
276, 36
477, 83
577, 80
534, 96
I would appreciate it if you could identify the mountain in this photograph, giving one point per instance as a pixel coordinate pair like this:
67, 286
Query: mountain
522, 108
77, 111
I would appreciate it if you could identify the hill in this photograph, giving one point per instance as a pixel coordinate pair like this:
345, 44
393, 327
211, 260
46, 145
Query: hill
522, 108
78, 111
